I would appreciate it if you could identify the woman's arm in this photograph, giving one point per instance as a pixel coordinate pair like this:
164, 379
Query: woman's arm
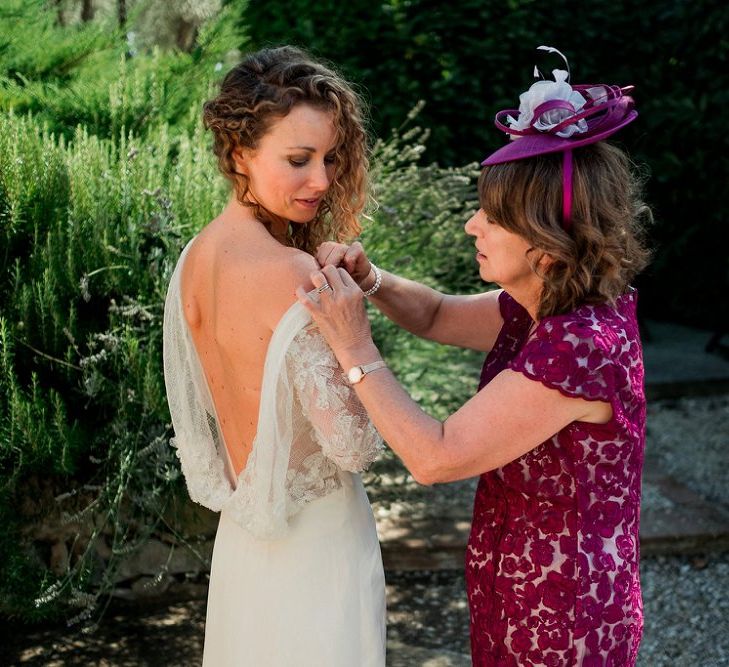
471, 321
509, 417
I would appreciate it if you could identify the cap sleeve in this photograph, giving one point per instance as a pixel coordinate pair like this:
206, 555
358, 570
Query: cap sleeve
571, 355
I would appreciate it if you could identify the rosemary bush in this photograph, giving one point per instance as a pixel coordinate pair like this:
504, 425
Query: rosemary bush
105, 173
91, 228
90, 231
417, 232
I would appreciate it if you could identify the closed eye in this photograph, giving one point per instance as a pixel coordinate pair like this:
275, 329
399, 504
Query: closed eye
330, 158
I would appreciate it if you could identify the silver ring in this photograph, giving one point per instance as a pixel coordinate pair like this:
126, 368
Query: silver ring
323, 288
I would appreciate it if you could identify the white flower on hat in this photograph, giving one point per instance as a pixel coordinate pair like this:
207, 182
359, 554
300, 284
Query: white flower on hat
545, 91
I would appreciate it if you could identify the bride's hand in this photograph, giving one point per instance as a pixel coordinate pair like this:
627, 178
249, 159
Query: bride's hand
351, 258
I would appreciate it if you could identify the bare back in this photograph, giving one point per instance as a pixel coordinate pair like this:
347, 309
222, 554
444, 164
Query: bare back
237, 282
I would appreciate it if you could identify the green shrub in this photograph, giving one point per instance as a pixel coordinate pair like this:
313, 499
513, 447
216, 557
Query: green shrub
417, 232
85, 74
92, 228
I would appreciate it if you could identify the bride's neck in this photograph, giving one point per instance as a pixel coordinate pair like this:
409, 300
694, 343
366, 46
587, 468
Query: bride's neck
275, 226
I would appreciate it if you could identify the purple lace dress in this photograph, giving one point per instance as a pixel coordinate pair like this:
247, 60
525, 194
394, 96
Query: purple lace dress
552, 560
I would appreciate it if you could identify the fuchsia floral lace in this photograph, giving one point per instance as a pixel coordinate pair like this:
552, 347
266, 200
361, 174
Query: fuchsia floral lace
552, 560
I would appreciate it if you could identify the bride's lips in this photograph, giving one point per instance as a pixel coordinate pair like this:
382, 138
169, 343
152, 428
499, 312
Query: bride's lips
313, 202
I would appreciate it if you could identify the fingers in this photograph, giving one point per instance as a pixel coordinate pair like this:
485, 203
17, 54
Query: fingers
312, 298
347, 279
354, 254
330, 280
330, 253
333, 277
352, 257
318, 278
305, 299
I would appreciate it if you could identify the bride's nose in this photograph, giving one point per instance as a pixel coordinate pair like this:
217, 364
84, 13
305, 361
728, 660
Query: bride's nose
320, 177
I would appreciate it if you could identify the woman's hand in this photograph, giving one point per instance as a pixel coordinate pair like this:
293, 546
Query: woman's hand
340, 315
351, 258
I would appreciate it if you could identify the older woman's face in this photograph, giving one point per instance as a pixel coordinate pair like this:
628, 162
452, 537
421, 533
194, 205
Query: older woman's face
501, 254
290, 171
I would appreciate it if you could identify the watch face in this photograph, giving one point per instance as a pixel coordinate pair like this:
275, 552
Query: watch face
355, 374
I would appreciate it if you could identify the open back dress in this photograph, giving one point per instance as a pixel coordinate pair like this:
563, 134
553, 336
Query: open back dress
296, 575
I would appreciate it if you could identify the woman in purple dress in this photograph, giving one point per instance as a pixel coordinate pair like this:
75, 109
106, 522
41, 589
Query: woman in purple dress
557, 429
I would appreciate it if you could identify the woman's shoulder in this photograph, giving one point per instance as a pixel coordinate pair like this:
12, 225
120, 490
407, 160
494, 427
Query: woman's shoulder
604, 327
247, 274
295, 265
235, 253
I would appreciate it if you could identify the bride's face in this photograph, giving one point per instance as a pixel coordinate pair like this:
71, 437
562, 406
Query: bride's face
290, 171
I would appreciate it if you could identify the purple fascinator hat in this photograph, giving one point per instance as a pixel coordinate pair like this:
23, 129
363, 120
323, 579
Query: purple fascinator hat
557, 117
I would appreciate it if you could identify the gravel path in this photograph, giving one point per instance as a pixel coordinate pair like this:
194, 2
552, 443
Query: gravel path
689, 437
686, 611
686, 598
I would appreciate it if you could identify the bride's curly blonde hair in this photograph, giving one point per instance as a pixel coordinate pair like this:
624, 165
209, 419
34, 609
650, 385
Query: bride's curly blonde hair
603, 251
265, 87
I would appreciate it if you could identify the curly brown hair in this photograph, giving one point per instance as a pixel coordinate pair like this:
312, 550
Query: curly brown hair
265, 87
593, 262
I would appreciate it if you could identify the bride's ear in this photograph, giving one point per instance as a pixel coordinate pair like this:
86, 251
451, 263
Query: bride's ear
240, 158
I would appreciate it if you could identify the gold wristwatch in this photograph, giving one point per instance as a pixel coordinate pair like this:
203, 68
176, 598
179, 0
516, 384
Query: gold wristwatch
356, 373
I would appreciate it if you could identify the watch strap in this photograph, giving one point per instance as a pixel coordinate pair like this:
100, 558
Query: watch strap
375, 365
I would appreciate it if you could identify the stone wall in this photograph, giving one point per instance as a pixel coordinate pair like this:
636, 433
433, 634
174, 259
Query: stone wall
172, 562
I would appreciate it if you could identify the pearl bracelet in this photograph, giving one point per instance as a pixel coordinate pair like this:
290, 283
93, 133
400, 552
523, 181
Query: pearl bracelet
378, 281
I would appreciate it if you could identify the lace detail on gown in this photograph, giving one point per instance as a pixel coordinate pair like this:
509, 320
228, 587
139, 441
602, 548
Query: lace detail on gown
311, 425
329, 404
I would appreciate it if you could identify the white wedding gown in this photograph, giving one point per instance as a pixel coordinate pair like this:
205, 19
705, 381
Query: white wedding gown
296, 576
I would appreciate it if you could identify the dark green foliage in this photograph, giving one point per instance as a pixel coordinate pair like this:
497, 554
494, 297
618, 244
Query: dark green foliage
469, 59
92, 218
92, 228
86, 74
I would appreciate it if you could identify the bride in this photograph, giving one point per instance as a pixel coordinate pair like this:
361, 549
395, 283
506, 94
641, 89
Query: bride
267, 428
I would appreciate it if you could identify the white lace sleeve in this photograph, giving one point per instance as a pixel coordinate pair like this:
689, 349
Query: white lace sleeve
340, 424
